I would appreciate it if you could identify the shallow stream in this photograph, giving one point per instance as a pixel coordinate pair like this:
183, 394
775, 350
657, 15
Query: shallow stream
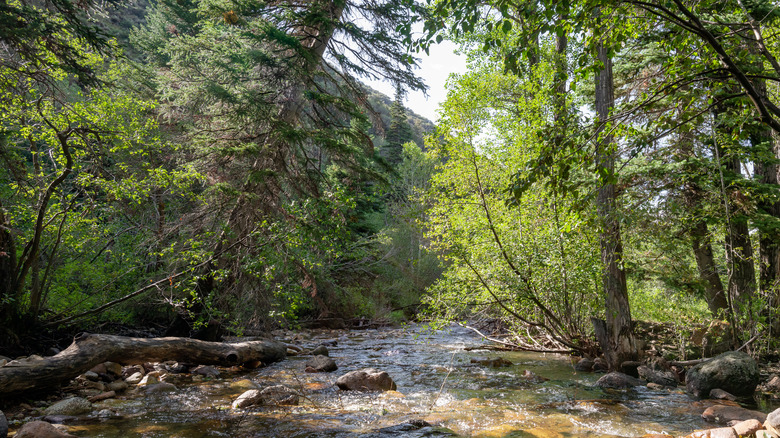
436, 382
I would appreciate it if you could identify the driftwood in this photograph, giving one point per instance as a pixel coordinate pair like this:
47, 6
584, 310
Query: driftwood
88, 350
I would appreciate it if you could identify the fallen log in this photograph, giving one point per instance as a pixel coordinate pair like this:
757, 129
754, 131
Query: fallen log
88, 350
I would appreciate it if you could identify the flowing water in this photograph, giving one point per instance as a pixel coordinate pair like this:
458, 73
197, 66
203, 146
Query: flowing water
436, 382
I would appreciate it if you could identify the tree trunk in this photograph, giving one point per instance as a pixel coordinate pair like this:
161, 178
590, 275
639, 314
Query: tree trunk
708, 271
88, 350
621, 343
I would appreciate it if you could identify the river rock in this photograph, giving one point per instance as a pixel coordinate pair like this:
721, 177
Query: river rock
321, 350
719, 394
772, 422
243, 384
248, 398
113, 368
69, 406
723, 414
765, 434
134, 378
413, 429
60, 419
734, 372
720, 432
616, 380
206, 371
321, 364
279, 395
584, 365
160, 387
664, 378
367, 379
40, 429
150, 379
3, 425
747, 427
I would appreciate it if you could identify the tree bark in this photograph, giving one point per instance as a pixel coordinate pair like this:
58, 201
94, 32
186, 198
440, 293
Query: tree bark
708, 272
88, 350
621, 344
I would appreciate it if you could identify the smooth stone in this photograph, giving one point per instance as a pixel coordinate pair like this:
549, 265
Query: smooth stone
765, 434
243, 384
60, 419
772, 422
135, 378
91, 375
69, 406
321, 364
664, 378
367, 379
719, 394
248, 398
157, 388
99, 369
747, 427
40, 429
617, 380
321, 350
149, 379
206, 371
113, 368
721, 432
723, 414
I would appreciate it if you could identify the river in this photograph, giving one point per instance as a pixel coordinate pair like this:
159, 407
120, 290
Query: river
436, 382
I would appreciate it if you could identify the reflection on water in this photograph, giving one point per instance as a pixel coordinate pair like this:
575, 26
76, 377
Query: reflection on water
436, 383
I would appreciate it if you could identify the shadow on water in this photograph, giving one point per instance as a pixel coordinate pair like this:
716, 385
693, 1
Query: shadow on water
437, 384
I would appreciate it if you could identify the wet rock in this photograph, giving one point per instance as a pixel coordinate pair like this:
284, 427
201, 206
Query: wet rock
721, 432
91, 375
106, 413
60, 419
747, 427
248, 398
734, 372
40, 429
584, 365
206, 371
279, 395
157, 388
496, 362
532, 377
719, 394
657, 435
3, 425
656, 386
321, 364
367, 379
413, 429
179, 368
243, 384
69, 406
723, 414
664, 378
616, 380
321, 350
765, 434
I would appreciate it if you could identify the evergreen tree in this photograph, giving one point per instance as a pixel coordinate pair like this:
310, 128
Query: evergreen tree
398, 133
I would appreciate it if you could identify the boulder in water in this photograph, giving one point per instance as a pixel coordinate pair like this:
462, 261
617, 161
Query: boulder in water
321, 350
734, 372
747, 427
723, 414
69, 406
40, 429
321, 364
772, 422
367, 379
617, 380
720, 432
495, 362
279, 395
660, 377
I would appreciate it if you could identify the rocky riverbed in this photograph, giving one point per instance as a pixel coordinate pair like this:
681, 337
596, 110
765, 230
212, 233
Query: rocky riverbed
386, 382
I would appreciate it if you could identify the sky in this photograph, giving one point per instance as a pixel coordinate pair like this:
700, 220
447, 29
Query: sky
434, 69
